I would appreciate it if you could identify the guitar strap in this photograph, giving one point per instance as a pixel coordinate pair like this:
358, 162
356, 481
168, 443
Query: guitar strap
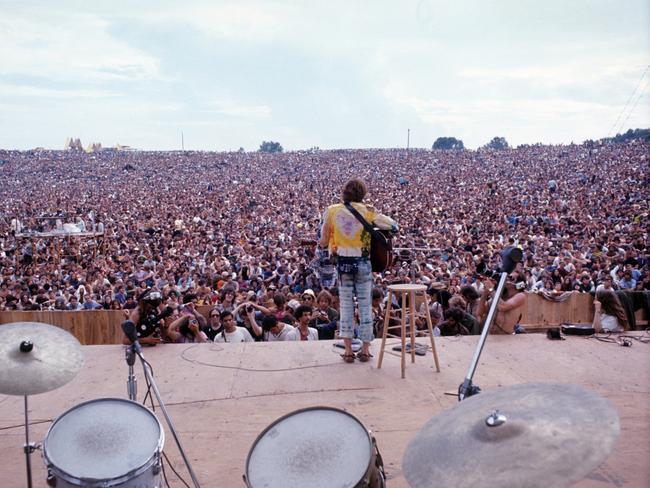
366, 225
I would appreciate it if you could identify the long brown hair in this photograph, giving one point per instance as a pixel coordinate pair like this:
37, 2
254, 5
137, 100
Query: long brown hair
354, 190
611, 305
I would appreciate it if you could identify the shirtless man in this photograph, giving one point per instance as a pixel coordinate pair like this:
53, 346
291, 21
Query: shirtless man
509, 308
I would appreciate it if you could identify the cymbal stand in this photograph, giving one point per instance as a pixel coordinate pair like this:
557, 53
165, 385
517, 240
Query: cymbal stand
151, 381
467, 389
29, 447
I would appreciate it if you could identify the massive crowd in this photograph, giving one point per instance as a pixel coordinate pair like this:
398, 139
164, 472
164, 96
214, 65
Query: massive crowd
237, 230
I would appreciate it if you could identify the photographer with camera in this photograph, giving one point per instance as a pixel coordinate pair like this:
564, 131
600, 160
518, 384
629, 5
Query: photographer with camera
149, 319
245, 316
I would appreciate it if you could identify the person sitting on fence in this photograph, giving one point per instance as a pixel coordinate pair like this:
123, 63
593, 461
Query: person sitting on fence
609, 315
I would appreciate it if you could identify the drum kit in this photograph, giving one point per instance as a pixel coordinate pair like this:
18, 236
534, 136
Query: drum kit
533, 435
104, 442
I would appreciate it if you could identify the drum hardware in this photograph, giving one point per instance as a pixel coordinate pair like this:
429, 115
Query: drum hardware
510, 256
107, 442
136, 350
36, 358
532, 427
283, 455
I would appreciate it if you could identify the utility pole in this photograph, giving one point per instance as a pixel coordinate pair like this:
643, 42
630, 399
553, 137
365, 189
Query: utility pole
408, 142
182, 141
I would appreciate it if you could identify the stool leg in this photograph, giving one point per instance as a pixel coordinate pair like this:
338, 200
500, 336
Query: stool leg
412, 310
430, 327
384, 332
403, 334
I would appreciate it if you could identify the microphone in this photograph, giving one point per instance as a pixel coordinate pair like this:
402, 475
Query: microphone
130, 332
510, 256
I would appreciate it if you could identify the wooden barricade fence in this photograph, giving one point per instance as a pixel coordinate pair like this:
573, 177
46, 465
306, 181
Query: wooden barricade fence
104, 326
88, 326
540, 313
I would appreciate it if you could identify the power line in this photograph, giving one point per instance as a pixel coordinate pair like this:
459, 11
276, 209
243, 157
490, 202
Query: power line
647, 68
636, 102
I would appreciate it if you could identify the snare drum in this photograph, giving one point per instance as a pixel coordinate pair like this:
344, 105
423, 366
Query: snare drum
315, 447
104, 443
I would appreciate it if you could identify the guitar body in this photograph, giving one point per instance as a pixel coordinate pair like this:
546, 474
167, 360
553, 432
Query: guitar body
381, 250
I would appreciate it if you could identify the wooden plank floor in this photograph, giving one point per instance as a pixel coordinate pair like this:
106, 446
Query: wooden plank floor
221, 396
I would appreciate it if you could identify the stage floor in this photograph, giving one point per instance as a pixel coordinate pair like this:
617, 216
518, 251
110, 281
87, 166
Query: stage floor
221, 397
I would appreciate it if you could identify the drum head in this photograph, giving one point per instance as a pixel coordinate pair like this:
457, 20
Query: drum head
102, 439
315, 447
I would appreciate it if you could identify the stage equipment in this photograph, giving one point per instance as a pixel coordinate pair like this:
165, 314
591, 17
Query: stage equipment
36, 358
105, 442
510, 256
537, 435
316, 447
136, 350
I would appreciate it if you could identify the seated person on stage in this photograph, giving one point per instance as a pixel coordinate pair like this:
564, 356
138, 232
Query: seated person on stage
275, 330
230, 332
303, 332
149, 318
609, 315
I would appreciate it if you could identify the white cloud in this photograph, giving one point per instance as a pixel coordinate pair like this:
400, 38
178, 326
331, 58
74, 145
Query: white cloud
12, 90
67, 46
238, 109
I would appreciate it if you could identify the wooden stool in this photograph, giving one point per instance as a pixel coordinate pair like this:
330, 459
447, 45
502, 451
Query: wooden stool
407, 290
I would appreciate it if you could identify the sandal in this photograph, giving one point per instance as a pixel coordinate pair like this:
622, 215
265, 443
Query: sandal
364, 357
348, 357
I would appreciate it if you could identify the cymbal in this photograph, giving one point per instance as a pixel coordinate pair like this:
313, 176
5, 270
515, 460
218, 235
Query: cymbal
54, 360
551, 436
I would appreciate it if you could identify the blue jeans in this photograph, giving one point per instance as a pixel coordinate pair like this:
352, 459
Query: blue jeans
359, 285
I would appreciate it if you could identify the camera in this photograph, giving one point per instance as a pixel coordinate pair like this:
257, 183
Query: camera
249, 308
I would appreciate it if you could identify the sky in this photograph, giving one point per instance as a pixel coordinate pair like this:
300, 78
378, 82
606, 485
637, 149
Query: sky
220, 75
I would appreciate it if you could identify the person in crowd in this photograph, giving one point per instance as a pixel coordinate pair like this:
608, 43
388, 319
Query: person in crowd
214, 325
302, 332
275, 330
230, 332
346, 238
186, 329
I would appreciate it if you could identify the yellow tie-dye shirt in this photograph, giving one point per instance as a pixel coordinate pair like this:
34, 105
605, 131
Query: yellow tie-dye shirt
345, 235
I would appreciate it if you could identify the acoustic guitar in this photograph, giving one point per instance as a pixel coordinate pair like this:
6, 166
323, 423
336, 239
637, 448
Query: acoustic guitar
381, 250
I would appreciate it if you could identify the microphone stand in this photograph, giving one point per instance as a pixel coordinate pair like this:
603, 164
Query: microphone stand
131, 382
467, 389
148, 373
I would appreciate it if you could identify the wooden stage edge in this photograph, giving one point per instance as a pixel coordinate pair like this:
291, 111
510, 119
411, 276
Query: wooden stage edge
222, 396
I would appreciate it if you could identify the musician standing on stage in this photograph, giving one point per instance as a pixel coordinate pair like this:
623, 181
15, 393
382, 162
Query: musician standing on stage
349, 245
